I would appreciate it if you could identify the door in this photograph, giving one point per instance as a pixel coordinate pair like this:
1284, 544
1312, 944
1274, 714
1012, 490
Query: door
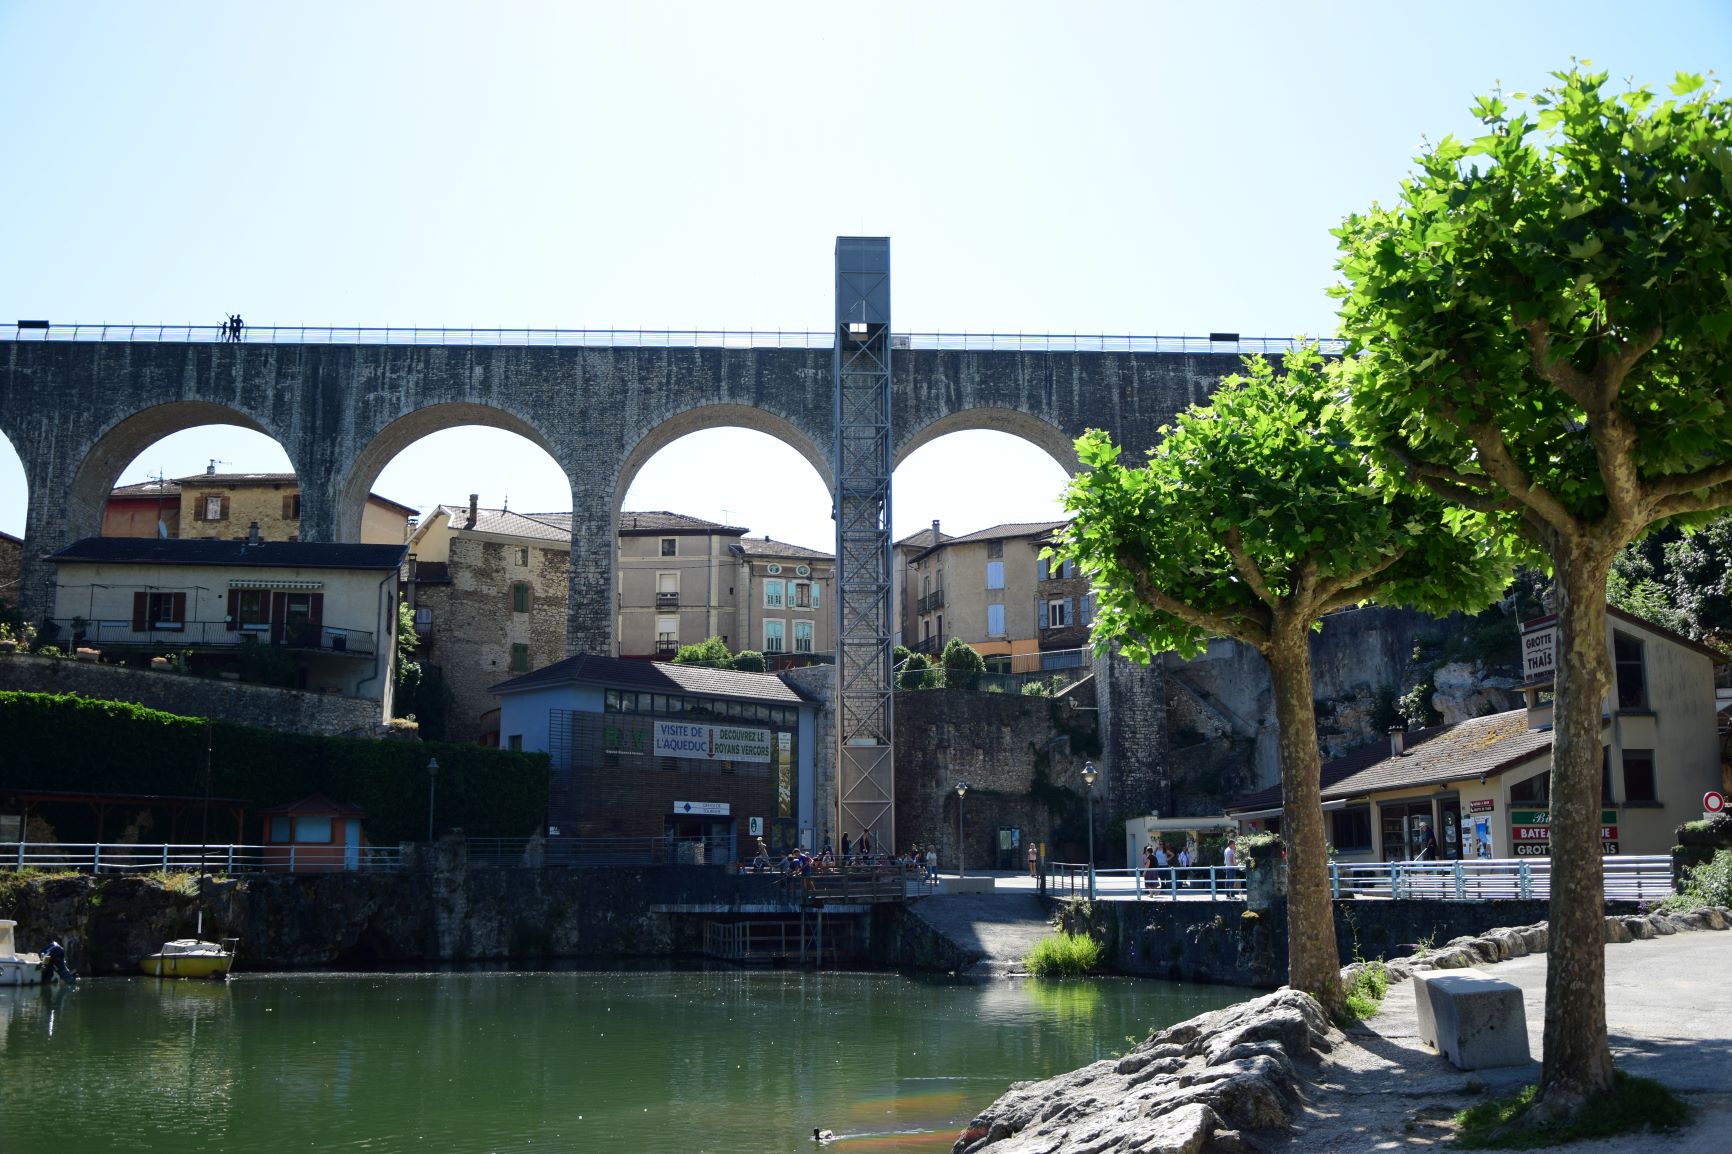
351, 844
1449, 827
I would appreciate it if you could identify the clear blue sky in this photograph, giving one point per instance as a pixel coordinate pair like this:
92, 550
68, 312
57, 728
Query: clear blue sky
1079, 167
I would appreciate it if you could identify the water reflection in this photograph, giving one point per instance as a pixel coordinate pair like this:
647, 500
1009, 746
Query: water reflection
670, 1060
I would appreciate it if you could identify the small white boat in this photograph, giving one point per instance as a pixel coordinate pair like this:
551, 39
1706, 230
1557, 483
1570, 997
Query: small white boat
17, 969
191, 958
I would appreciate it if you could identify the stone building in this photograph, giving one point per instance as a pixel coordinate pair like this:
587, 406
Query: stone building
992, 589
11, 565
488, 588
213, 506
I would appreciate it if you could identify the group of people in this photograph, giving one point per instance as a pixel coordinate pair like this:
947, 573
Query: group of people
231, 328
801, 862
1157, 859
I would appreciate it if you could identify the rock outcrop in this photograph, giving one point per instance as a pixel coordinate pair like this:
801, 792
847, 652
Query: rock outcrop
1201, 1085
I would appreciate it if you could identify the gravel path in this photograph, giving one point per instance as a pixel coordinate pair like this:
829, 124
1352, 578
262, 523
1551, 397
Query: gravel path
1385, 1091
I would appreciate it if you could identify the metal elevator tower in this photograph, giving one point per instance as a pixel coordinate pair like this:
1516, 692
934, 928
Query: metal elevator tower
865, 693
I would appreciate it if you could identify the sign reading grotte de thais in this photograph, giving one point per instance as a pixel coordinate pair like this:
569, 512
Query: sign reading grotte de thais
711, 742
1539, 649
1531, 831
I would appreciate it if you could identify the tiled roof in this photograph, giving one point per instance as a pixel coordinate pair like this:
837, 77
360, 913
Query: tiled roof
504, 523
264, 554
1011, 529
769, 547
239, 479
147, 489
658, 677
661, 521
316, 803
1443, 753
923, 539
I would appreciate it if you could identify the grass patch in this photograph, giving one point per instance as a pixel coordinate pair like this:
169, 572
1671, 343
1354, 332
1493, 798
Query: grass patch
1063, 955
1369, 986
1632, 1106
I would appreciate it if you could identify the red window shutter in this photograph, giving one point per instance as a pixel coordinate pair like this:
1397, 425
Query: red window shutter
177, 611
140, 610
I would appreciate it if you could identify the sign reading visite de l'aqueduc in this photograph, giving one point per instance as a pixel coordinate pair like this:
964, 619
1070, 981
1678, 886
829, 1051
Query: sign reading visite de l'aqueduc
712, 742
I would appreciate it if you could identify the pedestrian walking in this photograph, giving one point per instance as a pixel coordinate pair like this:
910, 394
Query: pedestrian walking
1033, 860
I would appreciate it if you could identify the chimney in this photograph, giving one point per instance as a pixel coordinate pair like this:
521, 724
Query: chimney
474, 510
253, 533
1397, 740
935, 530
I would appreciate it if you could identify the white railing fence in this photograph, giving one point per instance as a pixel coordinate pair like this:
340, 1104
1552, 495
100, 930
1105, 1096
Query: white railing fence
1633, 878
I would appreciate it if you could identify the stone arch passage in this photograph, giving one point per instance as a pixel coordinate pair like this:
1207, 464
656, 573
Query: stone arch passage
698, 419
1054, 441
383, 447
121, 444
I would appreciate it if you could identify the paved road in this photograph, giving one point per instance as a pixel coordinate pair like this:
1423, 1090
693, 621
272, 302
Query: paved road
1664, 1013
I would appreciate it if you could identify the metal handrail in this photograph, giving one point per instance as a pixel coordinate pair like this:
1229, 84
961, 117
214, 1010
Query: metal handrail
1631, 878
126, 857
647, 338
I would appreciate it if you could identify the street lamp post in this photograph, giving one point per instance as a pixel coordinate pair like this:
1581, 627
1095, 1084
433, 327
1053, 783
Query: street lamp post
432, 787
1088, 776
961, 792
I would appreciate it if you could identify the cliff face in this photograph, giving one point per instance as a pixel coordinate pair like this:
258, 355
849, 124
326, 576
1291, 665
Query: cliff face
442, 912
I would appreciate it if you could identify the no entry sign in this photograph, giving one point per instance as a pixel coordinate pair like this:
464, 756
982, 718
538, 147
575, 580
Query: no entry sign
1713, 803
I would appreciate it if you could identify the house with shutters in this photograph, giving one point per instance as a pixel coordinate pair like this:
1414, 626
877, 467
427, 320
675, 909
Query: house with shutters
305, 615
1022, 612
213, 506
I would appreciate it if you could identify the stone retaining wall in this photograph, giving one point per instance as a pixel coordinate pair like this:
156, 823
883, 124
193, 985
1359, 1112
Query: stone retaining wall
284, 710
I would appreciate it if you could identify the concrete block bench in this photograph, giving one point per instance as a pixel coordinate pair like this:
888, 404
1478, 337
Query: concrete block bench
1475, 1021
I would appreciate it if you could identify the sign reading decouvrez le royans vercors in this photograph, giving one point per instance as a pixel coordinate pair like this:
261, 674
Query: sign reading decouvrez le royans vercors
711, 742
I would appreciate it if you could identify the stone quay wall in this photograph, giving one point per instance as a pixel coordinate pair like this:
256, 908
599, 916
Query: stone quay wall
283, 710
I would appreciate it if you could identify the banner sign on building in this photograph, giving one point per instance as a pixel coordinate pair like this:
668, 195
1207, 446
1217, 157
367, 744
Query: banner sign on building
704, 808
1531, 831
711, 742
1539, 649
1481, 805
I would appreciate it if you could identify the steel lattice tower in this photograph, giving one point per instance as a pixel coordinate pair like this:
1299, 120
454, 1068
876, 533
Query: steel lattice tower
865, 693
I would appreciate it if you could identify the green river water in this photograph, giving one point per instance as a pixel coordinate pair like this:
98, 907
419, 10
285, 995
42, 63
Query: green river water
631, 1061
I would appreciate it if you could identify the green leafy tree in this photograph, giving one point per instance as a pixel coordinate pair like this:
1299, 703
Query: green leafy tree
1682, 580
711, 651
1254, 517
917, 672
406, 671
962, 665
1539, 330
749, 661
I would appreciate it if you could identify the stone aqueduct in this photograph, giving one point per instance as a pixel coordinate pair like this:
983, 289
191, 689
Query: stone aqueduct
79, 411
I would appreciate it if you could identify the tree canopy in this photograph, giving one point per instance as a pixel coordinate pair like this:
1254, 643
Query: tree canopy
1541, 330
1256, 515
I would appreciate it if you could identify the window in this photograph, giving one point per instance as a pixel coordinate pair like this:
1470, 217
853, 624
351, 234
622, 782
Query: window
802, 637
667, 632
1627, 655
1536, 790
514, 743
803, 595
520, 597
519, 657
423, 619
773, 635
1352, 829
212, 507
291, 506
250, 609
1085, 609
994, 549
995, 574
669, 548
158, 611
523, 555
1639, 784
995, 620
313, 829
773, 593
1058, 613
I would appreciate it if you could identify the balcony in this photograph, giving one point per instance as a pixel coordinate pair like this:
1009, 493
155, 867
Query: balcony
209, 635
931, 601
927, 645
668, 600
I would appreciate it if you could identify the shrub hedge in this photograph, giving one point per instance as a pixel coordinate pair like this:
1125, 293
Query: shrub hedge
68, 743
